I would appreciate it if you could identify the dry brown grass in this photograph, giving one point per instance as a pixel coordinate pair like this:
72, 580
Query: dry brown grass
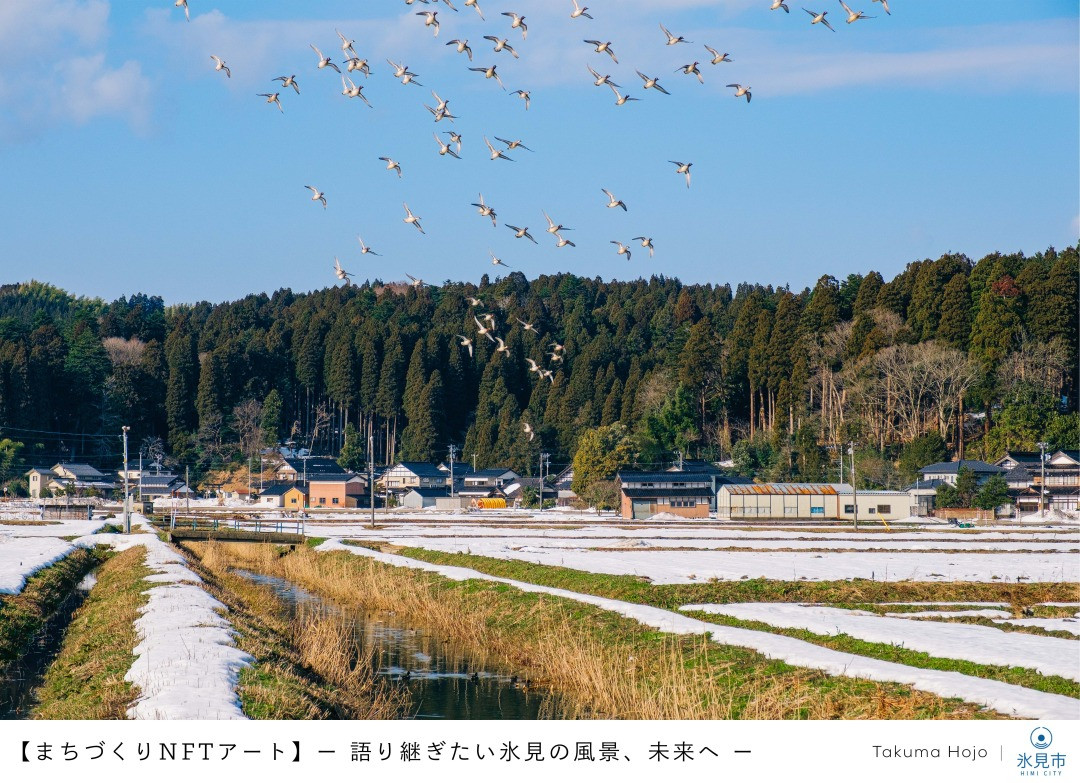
601, 664
307, 667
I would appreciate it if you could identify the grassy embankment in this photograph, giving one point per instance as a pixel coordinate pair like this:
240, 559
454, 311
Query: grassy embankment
23, 615
855, 593
602, 664
306, 667
86, 680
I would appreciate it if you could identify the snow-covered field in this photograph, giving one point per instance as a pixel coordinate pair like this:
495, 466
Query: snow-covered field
975, 643
1003, 697
186, 664
694, 554
21, 557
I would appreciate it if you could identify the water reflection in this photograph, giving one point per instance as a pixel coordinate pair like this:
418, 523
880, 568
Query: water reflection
443, 680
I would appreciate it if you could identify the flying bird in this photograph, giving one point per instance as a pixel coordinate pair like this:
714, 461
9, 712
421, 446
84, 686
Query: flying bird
579, 10
517, 21
622, 249
495, 154
346, 44
529, 430
717, 58
527, 327
402, 72
672, 39
512, 145
779, 4
341, 273
612, 201
501, 44
392, 164
621, 99
884, 4
456, 139
558, 346
533, 366
604, 47
444, 148
364, 249
652, 82
316, 195
483, 330
691, 69
524, 95
521, 233
562, 242
549, 375
476, 6
600, 80
288, 81
819, 18
489, 73
351, 90
357, 64
462, 45
430, 20
183, 4
473, 301
221, 66
272, 97
853, 16
411, 218
466, 343
741, 91
416, 281
485, 210
646, 242
324, 62
497, 261
552, 227
682, 168
501, 343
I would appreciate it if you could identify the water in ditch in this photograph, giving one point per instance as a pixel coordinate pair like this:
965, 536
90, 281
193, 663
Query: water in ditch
444, 681
21, 677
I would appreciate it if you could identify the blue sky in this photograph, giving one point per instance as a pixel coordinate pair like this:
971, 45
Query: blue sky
129, 164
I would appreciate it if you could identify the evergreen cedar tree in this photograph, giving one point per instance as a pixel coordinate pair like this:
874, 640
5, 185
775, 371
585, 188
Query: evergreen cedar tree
771, 376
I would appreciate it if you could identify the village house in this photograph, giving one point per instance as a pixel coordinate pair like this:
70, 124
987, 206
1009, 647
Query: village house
947, 471
404, 476
77, 477
646, 494
424, 497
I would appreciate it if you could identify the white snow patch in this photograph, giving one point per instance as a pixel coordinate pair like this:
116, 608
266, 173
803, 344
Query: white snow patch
1066, 624
20, 558
1005, 698
67, 527
186, 664
994, 614
965, 642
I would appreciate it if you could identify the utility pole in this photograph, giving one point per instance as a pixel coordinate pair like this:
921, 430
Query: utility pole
543, 456
127, 511
371, 474
854, 491
140, 475
474, 462
453, 451
262, 468
1042, 472
249, 478
187, 486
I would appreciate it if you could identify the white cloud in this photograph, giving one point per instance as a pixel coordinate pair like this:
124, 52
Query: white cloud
40, 90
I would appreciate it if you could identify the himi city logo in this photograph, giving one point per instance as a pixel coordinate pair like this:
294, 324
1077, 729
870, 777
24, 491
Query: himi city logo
1042, 762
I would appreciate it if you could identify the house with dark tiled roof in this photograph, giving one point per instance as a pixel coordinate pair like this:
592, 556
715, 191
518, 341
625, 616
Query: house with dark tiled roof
303, 468
644, 494
404, 476
947, 471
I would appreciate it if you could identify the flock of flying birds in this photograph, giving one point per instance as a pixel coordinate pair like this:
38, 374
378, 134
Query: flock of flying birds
353, 63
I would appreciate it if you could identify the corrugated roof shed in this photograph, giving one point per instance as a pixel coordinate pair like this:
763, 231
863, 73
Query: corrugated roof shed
788, 489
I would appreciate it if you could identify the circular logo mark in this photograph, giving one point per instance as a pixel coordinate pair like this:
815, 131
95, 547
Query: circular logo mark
1041, 738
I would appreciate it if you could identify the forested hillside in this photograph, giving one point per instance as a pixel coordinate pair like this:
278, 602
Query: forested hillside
949, 356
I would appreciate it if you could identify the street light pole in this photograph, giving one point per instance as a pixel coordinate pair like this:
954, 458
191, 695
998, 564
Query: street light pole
854, 490
453, 452
1042, 469
127, 511
371, 474
543, 457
